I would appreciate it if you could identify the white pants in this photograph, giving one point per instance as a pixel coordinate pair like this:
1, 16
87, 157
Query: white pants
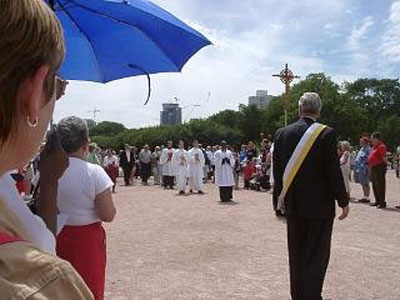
196, 183
181, 182
346, 176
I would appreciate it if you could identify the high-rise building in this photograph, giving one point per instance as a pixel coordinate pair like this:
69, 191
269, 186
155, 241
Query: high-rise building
171, 114
261, 99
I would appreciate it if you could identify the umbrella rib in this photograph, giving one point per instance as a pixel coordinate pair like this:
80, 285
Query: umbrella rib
128, 24
148, 81
85, 34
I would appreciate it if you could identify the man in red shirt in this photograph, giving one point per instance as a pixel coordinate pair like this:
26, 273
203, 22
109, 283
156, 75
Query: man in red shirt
378, 163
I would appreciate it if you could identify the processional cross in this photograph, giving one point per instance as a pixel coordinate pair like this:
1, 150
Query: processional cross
286, 76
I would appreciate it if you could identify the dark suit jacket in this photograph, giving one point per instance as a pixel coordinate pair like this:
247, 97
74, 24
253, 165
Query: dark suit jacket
123, 160
319, 180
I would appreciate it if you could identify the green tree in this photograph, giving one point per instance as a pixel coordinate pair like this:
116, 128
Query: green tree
107, 128
390, 130
380, 98
250, 123
229, 118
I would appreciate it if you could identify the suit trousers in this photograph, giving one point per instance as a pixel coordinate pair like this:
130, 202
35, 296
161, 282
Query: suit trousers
309, 244
127, 173
378, 179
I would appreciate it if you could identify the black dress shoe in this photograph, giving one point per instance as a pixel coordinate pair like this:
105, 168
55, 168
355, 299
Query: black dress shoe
201, 192
364, 200
181, 193
374, 204
397, 207
381, 206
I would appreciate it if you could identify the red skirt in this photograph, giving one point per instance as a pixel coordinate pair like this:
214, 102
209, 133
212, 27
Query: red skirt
113, 172
85, 248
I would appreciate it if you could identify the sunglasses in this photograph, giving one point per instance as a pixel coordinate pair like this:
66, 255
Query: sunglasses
60, 86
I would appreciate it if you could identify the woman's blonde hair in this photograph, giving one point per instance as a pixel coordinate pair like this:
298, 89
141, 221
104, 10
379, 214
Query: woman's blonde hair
30, 36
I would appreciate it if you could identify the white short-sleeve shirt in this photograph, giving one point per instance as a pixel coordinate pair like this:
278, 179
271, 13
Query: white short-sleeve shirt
77, 190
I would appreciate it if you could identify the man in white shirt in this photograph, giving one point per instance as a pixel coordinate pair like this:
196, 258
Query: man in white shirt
196, 163
145, 164
224, 179
167, 167
180, 162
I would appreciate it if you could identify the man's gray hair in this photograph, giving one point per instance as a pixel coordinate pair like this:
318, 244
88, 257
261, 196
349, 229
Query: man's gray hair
73, 133
310, 103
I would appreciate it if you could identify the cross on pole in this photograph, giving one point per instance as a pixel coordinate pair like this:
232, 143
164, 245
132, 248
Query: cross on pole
286, 76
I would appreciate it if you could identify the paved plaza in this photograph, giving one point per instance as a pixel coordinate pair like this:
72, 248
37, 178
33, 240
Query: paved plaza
165, 246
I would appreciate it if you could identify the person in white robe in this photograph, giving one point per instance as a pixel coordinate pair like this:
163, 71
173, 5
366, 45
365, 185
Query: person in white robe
224, 178
167, 166
195, 169
180, 161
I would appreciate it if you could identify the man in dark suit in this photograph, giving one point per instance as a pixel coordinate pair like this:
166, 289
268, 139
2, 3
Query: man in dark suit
310, 200
127, 161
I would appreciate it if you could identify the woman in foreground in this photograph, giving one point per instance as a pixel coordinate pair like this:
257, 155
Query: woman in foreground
31, 52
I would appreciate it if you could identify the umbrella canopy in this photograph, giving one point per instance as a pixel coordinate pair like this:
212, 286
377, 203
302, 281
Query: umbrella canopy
108, 40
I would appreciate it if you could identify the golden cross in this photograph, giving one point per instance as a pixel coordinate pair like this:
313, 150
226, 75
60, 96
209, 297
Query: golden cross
286, 76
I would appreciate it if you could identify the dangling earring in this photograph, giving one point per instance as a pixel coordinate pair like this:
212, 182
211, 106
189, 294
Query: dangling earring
30, 124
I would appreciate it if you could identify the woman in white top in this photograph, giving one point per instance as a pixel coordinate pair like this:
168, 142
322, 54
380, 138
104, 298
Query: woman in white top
84, 196
345, 164
111, 166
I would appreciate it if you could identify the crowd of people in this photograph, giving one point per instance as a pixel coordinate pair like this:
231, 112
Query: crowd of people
367, 165
179, 166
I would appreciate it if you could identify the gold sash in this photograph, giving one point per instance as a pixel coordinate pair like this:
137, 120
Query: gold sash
297, 158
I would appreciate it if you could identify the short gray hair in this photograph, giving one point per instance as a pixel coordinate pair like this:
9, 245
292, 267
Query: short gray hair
346, 145
73, 133
310, 103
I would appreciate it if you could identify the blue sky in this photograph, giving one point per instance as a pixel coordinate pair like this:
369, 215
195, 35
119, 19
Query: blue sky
253, 39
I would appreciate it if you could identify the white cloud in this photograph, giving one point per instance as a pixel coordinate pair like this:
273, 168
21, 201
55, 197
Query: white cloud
391, 39
359, 33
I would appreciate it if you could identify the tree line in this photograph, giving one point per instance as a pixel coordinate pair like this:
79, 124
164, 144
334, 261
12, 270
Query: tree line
352, 108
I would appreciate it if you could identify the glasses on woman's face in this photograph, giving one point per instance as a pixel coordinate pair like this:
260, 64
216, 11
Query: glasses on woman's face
60, 86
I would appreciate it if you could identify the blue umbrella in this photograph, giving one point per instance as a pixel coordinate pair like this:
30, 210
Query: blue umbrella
108, 40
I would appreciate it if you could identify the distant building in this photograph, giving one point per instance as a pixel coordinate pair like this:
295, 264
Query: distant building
171, 114
261, 99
